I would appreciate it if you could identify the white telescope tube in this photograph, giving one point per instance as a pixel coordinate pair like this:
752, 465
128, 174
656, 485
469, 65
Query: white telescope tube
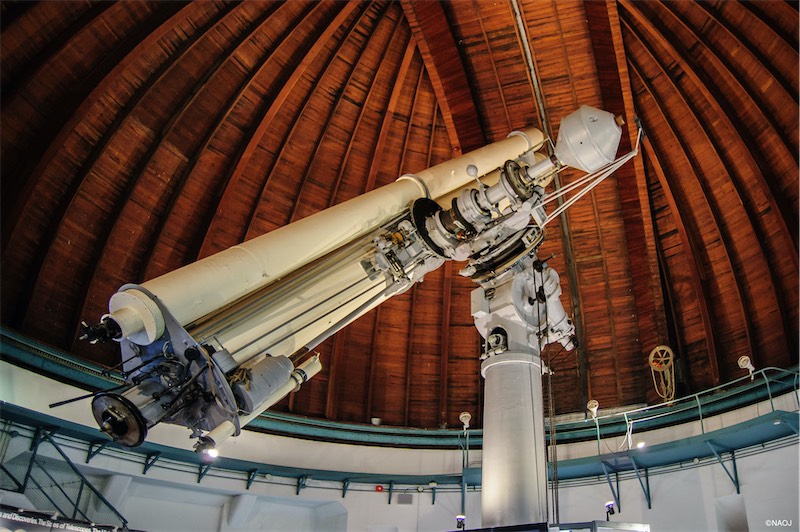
226, 429
202, 287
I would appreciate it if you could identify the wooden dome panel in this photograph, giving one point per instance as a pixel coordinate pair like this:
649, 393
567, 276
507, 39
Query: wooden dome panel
139, 137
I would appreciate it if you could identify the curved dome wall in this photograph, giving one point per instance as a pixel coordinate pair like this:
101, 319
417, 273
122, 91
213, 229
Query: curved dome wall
138, 137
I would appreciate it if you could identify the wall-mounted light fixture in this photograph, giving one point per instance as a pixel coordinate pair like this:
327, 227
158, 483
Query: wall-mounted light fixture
745, 363
592, 407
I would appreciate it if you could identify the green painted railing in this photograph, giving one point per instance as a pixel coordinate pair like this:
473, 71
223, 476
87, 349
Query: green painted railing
765, 384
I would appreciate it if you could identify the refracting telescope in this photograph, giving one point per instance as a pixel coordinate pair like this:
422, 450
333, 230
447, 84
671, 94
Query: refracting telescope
213, 344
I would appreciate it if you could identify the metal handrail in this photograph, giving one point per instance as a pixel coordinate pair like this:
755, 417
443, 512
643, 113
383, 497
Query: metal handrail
696, 401
39, 436
611, 424
710, 391
84, 480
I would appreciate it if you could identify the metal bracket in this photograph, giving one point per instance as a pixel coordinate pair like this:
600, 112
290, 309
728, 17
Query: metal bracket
202, 472
391, 490
345, 485
150, 460
251, 476
733, 476
301, 483
37, 439
95, 451
791, 421
433, 495
646, 485
614, 492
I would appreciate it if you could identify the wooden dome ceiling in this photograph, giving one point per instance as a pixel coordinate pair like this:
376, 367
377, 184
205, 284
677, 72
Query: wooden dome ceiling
138, 137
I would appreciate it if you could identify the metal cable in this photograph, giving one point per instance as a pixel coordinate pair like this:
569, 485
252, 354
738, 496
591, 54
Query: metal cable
553, 444
551, 412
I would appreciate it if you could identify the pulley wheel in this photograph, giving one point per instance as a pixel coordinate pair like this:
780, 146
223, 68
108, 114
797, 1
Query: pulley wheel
661, 358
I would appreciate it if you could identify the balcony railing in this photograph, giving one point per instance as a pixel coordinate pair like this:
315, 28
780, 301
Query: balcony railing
35, 466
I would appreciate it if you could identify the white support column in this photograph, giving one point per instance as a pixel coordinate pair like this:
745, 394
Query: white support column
515, 319
514, 487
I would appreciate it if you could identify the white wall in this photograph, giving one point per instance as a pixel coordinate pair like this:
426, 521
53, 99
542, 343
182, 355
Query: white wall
684, 499
170, 498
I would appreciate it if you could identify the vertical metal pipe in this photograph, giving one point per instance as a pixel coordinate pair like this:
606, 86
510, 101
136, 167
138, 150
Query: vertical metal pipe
597, 428
537, 89
463, 495
700, 413
769, 391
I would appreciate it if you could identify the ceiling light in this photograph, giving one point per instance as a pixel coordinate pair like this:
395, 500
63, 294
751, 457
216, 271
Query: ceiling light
640, 445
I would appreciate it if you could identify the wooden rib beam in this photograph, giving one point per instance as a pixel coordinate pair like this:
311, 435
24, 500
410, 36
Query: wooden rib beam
73, 107
334, 108
673, 333
161, 139
249, 232
374, 166
755, 158
401, 163
60, 214
332, 393
765, 118
744, 45
434, 38
434, 120
189, 168
722, 157
750, 209
770, 12
410, 354
609, 53
723, 241
36, 64
500, 92
373, 362
689, 248
380, 146
270, 112
719, 102
698, 276
615, 350
444, 352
